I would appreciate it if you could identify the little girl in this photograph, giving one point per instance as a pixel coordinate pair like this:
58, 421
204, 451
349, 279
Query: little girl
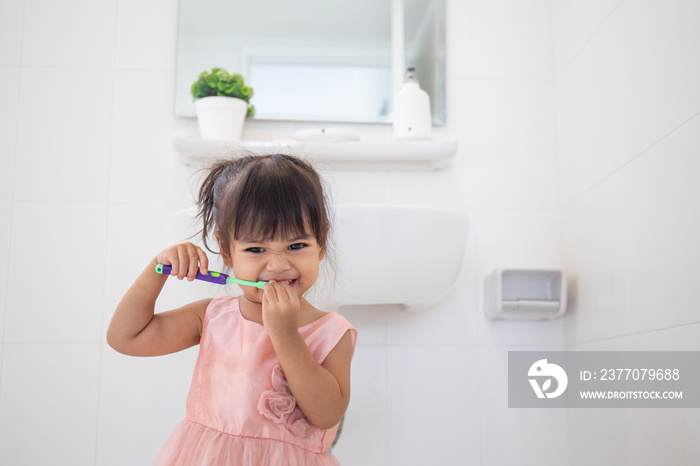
272, 380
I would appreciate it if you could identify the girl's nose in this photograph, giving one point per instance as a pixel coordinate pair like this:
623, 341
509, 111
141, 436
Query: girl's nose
278, 263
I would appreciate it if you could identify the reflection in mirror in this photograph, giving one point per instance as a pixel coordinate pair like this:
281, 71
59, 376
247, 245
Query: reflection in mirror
315, 60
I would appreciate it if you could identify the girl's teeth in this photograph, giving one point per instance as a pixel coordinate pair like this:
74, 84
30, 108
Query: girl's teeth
287, 282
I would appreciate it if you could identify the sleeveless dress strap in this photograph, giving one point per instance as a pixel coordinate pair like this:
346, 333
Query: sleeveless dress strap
323, 337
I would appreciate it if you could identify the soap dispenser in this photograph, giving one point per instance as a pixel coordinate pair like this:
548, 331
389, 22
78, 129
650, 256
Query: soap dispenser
412, 120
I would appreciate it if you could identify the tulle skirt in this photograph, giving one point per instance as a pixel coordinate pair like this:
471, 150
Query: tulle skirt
193, 444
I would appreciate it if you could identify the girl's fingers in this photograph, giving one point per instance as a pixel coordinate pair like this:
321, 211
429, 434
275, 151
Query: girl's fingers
203, 261
183, 260
270, 292
193, 261
174, 266
186, 260
286, 294
278, 292
193, 268
291, 295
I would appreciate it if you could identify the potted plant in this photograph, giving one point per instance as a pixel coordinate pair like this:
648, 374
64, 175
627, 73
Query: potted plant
222, 101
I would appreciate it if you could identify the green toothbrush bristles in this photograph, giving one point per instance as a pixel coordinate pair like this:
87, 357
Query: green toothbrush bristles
238, 281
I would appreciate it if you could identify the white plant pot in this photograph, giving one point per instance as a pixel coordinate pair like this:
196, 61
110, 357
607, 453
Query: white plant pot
221, 118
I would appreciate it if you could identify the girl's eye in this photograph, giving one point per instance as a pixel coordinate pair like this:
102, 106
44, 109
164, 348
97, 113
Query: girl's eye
297, 246
255, 250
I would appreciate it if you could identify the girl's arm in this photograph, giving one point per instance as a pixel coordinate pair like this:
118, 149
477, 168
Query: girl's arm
321, 391
137, 331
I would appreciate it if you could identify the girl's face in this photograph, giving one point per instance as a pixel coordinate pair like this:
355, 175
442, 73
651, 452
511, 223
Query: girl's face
291, 260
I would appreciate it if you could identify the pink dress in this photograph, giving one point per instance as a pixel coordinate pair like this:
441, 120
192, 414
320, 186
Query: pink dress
239, 408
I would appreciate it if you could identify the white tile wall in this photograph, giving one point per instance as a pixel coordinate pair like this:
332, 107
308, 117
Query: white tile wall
595, 240
5, 225
55, 34
55, 284
661, 277
629, 238
600, 436
512, 39
88, 178
346, 187
432, 418
432, 189
62, 136
575, 22
141, 401
144, 35
366, 419
461, 115
11, 26
631, 85
661, 428
142, 166
514, 145
627, 133
504, 438
9, 102
49, 403
460, 47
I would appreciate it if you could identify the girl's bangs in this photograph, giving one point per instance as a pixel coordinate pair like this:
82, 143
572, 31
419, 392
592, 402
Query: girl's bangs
264, 214
268, 223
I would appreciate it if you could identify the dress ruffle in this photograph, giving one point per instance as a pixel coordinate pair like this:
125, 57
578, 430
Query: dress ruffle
193, 444
280, 406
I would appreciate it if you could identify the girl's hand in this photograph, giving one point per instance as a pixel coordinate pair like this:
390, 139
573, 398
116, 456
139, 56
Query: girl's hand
185, 259
280, 309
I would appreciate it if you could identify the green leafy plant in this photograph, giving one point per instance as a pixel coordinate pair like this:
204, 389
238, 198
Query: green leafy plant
219, 82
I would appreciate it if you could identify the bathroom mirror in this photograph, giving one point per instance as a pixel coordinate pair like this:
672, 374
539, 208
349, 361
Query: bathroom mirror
315, 60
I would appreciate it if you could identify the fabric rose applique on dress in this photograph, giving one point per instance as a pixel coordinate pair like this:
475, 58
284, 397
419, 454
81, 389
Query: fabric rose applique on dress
280, 406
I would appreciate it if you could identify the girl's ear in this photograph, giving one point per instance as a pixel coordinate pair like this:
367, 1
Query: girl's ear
225, 253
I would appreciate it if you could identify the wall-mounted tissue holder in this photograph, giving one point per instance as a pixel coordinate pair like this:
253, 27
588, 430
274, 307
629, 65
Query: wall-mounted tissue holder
525, 294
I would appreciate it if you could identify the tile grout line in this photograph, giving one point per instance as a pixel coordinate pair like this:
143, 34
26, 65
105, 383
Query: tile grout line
629, 162
586, 42
386, 387
101, 351
12, 205
632, 334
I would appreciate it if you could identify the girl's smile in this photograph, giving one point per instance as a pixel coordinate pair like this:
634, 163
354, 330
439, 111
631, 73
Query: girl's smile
292, 261
286, 282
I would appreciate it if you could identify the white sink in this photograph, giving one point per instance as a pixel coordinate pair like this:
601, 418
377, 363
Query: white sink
398, 255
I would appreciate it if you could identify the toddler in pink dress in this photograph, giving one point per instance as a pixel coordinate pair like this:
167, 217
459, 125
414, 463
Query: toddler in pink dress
272, 379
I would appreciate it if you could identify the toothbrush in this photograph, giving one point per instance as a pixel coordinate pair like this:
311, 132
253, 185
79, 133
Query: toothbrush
213, 277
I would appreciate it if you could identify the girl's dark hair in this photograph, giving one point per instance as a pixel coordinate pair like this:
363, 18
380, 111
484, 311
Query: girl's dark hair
262, 198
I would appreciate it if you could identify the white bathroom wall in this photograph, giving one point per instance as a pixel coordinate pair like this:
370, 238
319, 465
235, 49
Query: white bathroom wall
628, 133
513, 181
88, 178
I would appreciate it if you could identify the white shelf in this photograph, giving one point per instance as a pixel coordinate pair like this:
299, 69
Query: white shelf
357, 155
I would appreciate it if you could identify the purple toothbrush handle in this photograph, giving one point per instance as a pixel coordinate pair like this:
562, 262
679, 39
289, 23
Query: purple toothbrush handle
212, 277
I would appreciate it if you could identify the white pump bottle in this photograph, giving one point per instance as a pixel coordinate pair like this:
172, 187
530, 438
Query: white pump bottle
412, 120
